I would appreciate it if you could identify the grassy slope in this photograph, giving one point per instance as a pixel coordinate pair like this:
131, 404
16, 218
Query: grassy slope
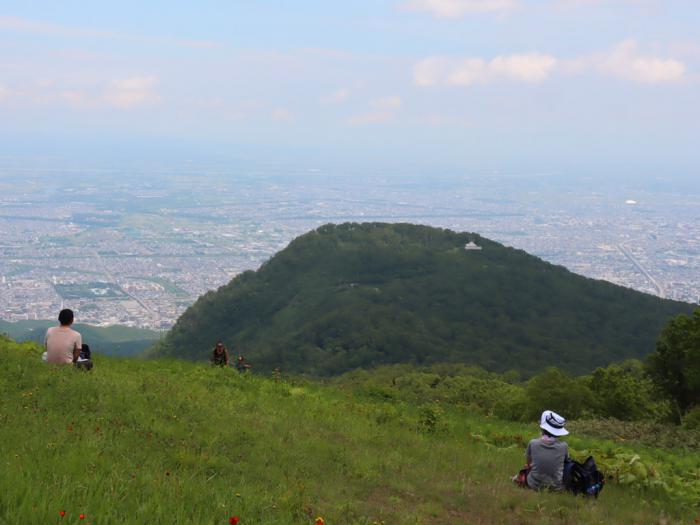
173, 442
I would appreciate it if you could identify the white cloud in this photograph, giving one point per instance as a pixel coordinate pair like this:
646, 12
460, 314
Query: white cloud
372, 117
337, 97
381, 110
78, 99
24, 25
529, 67
438, 120
386, 103
458, 8
14, 23
624, 61
131, 92
282, 115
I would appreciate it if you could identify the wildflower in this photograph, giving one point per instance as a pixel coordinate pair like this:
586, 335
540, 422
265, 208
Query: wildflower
320, 521
233, 520
62, 513
82, 516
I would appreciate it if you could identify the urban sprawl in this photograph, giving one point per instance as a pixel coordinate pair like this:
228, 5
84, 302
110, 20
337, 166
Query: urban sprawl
138, 248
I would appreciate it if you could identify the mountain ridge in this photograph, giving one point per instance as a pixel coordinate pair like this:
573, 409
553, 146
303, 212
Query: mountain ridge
362, 294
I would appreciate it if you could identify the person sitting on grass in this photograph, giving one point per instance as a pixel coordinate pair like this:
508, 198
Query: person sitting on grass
546, 455
220, 355
62, 343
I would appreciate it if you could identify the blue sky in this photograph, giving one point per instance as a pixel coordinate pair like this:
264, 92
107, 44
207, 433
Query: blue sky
557, 86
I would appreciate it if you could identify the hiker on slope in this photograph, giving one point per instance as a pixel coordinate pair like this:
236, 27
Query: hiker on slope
219, 356
242, 365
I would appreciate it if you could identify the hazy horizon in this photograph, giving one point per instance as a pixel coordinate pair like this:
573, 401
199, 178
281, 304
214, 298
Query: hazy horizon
572, 88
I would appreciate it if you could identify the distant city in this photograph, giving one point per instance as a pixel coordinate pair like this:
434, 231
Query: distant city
138, 248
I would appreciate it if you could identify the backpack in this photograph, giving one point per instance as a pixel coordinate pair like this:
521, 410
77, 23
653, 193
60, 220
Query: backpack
583, 478
85, 352
84, 361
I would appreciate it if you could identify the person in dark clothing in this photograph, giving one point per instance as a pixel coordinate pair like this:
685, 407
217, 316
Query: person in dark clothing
220, 355
242, 365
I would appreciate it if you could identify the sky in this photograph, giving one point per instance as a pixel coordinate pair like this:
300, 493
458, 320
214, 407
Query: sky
531, 86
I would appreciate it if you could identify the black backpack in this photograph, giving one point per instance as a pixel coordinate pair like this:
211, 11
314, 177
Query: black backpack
583, 478
85, 352
85, 359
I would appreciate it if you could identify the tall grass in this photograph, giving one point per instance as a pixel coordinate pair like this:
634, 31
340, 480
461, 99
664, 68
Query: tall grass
172, 442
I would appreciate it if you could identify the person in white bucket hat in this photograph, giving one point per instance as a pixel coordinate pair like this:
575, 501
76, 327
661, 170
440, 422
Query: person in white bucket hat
546, 455
553, 424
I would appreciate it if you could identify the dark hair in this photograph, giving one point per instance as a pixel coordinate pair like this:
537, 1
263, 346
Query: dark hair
549, 434
65, 317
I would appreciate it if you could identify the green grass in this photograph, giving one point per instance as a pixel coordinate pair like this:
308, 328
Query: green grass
172, 442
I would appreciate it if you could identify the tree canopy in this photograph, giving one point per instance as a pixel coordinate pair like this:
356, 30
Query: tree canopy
675, 366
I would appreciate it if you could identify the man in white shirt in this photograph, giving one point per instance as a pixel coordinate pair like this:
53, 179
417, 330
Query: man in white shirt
63, 344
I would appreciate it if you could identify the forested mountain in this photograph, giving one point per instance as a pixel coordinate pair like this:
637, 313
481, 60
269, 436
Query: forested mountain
359, 295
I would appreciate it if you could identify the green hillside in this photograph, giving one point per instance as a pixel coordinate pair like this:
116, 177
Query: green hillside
359, 295
108, 340
164, 442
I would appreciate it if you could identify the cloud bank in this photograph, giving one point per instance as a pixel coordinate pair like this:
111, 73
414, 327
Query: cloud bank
459, 8
623, 61
131, 92
529, 67
382, 110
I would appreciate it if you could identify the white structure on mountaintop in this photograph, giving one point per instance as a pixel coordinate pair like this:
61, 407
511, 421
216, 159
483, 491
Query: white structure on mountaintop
471, 245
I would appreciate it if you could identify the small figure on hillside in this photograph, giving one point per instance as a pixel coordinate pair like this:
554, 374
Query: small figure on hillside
546, 456
276, 375
62, 343
220, 355
242, 365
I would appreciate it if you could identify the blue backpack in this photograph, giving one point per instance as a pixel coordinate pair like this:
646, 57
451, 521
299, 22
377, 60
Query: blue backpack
583, 478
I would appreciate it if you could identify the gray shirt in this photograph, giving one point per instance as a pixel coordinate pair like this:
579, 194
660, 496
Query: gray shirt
546, 456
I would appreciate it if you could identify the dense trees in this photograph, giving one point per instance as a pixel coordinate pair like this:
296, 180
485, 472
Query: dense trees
621, 392
675, 366
361, 295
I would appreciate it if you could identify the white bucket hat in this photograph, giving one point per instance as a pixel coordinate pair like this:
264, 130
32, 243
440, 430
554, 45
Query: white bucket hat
553, 423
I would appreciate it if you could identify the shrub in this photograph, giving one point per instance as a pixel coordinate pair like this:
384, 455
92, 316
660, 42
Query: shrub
555, 390
625, 392
675, 366
692, 419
